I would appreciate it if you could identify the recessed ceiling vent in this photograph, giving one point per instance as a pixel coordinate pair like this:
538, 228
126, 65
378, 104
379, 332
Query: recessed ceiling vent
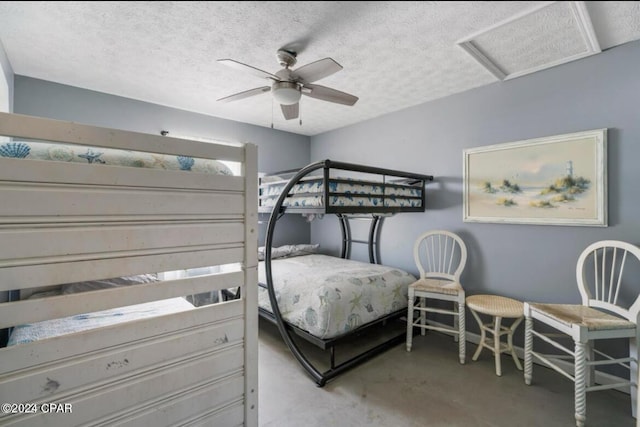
551, 34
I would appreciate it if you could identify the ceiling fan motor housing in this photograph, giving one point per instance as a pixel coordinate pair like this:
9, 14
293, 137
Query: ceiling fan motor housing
286, 58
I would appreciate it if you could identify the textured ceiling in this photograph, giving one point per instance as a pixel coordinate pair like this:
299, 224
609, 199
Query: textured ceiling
395, 54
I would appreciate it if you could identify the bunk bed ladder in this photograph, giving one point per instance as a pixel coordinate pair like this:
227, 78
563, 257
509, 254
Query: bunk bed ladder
372, 242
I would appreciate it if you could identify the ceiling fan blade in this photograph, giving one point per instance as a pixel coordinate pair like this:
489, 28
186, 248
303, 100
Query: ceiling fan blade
248, 68
245, 94
316, 70
327, 94
290, 111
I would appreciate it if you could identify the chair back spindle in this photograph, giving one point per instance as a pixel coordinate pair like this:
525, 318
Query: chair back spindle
440, 254
604, 288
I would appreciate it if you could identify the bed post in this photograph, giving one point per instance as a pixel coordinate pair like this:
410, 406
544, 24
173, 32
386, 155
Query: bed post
250, 170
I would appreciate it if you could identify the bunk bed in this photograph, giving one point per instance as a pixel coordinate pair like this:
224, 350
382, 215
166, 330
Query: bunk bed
311, 296
91, 219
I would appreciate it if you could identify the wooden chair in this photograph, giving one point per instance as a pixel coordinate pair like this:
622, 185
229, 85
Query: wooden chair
440, 257
602, 272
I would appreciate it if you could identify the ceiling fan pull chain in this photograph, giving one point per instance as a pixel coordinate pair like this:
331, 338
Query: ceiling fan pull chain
271, 113
300, 109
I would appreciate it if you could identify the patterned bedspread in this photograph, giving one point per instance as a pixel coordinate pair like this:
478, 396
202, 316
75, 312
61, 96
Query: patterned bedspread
329, 296
81, 322
101, 156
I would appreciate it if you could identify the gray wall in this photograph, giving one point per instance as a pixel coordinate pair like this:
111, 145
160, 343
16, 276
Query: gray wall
528, 262
6, 82
277, 150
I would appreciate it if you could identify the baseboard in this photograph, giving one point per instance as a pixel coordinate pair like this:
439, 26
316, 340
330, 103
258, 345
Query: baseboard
601, 377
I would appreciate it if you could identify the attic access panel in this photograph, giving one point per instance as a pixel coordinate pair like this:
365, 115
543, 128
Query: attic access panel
551, 34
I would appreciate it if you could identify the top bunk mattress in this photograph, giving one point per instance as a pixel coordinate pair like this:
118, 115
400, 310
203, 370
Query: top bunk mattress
343, 192
58, 152
329, 296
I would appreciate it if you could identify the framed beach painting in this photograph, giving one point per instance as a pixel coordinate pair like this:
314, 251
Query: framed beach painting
557, 180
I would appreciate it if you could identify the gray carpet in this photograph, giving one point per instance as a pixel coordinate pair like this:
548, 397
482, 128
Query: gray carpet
426, 387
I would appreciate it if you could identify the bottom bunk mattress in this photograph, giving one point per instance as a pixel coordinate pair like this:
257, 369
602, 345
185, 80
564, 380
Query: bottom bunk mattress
329, 296
30, 332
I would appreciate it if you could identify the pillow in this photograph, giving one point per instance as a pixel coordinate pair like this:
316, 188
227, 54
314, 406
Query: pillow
93, 285
288, 251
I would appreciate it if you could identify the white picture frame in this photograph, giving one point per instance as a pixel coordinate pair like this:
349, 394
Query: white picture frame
555, 180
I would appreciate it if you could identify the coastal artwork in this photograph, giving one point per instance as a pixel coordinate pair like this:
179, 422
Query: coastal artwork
559, 180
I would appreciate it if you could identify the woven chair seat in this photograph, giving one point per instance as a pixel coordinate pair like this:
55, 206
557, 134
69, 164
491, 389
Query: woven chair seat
592, 319
440, 286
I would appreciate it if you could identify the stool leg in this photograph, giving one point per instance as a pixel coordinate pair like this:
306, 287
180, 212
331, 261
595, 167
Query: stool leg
483, 336
496, 344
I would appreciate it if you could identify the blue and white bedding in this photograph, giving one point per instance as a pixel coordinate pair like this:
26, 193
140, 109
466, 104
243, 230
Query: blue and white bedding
106, 156
82, 322
329, 296
309, 193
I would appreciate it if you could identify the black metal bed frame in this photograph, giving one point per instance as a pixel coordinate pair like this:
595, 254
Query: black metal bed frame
287, 330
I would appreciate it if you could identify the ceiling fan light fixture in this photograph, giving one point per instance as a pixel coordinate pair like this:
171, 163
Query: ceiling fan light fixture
286, 93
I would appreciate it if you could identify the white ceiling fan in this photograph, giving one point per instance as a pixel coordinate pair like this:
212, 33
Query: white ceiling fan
287, 85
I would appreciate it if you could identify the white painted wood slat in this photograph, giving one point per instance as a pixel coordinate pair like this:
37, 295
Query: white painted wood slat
61, 200
146, 389
204, 407
76, 346
123, 264
75, 376
37, 242
50, 172
23, 126
36, 310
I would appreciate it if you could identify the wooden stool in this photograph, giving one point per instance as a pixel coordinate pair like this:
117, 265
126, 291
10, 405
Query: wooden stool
498, 307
